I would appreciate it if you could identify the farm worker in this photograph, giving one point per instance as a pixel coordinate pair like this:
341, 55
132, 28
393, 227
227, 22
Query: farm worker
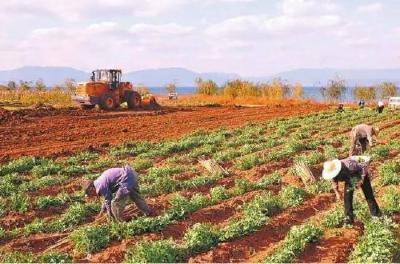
361, 104
380, 107
352, 173
124, 183
339, 109
362, 134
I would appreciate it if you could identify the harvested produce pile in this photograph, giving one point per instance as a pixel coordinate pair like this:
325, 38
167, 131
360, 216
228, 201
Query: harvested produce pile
47, 132
260, 211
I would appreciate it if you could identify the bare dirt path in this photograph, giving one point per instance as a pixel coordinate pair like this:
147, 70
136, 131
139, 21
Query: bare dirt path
60, 132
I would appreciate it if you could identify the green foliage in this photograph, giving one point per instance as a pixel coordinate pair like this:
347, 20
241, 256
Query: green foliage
18, 202
201, 237
334, 219
292, 196
36, 226
82, 157
242, 186
243, 226
264, 204
74, 215
46, 168
59, 199
55, 257
391, 199
20, 165
377, 244
90, 239
219, 193
248, 162
206, 87
389, 173
2, 233
310, 159
294, 243
321, 186
268, 180
142, 164
364, 92
160, 251
16, 257
380, 151
334, 89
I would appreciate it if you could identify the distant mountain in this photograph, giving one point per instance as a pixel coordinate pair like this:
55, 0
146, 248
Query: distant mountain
50, 75
185, 77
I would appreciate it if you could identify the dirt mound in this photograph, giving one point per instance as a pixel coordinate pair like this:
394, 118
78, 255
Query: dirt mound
48, 132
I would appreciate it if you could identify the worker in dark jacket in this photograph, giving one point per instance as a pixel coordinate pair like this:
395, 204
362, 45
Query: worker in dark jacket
353, 174
124, 183
380, 107
362, 134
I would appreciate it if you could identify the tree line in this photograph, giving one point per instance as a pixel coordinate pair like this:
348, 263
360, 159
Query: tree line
69, 85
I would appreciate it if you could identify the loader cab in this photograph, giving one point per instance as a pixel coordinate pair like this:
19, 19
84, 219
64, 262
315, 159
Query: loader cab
112, 77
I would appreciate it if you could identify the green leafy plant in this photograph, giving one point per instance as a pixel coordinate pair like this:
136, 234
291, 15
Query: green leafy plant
161, 251
55, 257
292, 196
389, 173
378, 244
248, 162
391, 199
219, 193
201, 237
90, 239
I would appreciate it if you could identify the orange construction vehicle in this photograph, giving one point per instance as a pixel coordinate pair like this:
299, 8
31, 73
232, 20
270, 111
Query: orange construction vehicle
106, 90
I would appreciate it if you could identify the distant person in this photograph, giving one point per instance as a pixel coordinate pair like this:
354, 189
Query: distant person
124, 183
340, 108
361, 104
380, 107
362, 134
344, 171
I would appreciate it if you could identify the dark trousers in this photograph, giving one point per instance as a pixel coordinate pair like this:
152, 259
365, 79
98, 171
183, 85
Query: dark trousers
364, 144
379, 109
369, 196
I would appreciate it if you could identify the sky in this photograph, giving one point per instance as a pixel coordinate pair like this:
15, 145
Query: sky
248, 37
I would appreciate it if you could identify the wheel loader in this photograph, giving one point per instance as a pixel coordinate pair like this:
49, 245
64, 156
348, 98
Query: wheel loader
106, 90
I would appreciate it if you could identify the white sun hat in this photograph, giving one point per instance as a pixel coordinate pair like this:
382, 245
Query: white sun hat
331, 169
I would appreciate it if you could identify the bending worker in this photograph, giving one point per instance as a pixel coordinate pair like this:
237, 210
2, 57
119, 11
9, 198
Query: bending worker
380, 107
362, 134
345, 171
124, 183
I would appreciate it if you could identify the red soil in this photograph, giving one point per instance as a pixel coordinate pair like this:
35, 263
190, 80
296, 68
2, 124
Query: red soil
334, 246
244, 248
59, 132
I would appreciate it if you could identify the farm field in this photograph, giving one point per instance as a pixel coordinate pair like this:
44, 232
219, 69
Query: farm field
50, 132
260, 211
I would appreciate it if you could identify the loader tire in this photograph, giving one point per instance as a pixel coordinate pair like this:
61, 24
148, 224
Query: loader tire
134, 100
108, 102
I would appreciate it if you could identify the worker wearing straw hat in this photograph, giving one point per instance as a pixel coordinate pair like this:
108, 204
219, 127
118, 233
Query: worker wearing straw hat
354, 174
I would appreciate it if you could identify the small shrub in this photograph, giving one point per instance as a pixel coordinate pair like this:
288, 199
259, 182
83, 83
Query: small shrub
268, 180
90, 239
378, 244
161, 251
334, 219
55, 257
219, 193
391, 199
248, 162
292, 196
321, 186
265, 204
201, 237
242, 186
243, 226
389, 173
18, 202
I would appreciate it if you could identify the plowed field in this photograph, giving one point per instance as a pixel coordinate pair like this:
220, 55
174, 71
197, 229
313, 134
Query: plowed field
260, 211
59, 132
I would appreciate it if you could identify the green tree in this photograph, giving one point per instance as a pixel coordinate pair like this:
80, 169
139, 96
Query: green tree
364, 93
40, 86
387, 89
12, 85
24, 85
206, 87
170, 87
334, 89
70, 85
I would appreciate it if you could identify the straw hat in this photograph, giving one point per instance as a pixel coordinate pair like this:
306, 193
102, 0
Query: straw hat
331, 169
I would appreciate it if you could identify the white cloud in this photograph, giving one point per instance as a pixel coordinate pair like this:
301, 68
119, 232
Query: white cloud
370, 8
161, 29
307, 7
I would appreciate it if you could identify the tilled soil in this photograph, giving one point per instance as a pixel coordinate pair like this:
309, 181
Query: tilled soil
57, 132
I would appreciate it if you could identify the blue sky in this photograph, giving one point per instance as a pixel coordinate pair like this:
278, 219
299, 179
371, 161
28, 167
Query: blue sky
249, 37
